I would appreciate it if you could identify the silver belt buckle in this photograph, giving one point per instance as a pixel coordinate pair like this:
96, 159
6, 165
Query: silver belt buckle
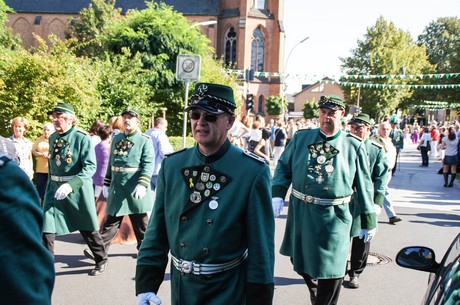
309, 198
186, 266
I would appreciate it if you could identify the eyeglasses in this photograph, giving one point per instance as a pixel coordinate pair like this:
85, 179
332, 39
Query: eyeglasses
208, 117
56, 115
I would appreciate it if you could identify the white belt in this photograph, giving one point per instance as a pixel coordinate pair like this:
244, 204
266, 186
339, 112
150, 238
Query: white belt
62, 178
206, 269
125, 169
314, 200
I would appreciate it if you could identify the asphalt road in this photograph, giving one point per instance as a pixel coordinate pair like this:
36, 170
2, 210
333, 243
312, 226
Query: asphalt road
430, 216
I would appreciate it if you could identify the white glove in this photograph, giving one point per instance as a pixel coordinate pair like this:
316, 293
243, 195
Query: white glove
105, 191
367, 234
278, 204
377, 209
147, 297
63, 191
140, 191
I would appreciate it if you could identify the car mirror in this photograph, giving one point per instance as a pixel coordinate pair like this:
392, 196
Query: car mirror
418, 258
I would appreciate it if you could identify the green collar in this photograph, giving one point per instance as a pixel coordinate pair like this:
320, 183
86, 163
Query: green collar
329, 138
215, 156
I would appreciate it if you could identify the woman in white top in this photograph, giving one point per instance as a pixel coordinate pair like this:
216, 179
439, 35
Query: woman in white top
254, 136
424, 146
450, 144
23, 145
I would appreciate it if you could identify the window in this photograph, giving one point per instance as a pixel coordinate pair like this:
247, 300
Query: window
260, 104
230, 48
257, 51
320, 88
259, 4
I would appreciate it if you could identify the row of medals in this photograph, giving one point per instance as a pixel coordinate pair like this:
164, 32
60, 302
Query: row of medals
207, 182
318, 152
58, 144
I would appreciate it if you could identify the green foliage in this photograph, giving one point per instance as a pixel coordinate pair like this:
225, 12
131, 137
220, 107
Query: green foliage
310, 110
8, 41
274, 105
33, 83
385, 50
86, 33
177, 142
442, 41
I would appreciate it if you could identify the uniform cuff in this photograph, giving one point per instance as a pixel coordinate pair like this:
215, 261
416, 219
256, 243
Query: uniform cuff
148, 279
259, 294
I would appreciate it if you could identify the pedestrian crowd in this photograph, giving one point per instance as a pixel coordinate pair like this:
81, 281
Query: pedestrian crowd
213, 205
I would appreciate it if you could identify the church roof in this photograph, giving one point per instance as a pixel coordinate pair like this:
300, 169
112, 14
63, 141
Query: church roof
186, 7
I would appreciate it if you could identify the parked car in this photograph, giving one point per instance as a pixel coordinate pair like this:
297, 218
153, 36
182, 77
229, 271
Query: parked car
444, 280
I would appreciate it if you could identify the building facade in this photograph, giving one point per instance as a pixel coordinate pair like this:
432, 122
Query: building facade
246, 34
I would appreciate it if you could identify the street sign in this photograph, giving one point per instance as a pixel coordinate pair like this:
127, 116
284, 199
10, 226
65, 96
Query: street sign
188, 67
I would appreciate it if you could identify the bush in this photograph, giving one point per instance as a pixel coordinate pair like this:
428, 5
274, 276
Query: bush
176, 142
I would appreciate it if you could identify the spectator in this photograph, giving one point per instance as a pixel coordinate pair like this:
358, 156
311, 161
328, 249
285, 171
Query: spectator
93, 132
22, 145
279, 142
161, 147
450, 162
40, 150
102, 151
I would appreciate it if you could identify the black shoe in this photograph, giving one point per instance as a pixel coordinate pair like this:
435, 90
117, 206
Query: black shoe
353, 282
98, 270
394, 219
87, 253
450, 185
445, 184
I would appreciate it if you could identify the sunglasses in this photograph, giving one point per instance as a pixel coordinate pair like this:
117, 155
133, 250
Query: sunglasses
208, 117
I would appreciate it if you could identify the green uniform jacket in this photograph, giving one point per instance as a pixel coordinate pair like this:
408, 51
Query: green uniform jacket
378, 165
71, 154
241, 218
397, 137
129, 151
27, 266
317, 237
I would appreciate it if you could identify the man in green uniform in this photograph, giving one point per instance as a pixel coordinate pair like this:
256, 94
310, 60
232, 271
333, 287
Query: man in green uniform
324, 165
213, 214
27, 267
127, 181
397, 137
69, 200
378, 166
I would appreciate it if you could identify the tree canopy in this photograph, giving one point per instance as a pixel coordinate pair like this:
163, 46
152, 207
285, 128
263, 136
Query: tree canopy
385, 50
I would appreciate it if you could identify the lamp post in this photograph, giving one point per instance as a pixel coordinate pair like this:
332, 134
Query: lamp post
284, 75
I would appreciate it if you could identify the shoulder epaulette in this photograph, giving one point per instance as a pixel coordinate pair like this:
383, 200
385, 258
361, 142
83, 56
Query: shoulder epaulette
145, 136
4, 158
377, 144
355, 136
82, 131
254, 156
176, 152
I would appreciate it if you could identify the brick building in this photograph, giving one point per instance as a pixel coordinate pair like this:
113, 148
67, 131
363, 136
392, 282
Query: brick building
247, 33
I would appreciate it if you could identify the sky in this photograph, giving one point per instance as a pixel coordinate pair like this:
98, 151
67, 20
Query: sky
335, 26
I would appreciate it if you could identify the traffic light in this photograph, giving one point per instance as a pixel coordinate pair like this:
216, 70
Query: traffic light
249, 102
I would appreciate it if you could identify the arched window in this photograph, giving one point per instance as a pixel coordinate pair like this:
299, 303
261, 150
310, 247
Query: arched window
257, 51
260, 105
230, 48
259, 4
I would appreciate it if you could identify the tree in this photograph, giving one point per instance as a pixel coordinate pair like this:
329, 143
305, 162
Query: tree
8, 40
310, 110
442, 41
274, 105
385, 50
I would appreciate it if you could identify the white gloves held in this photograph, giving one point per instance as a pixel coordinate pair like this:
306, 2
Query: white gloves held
367, 234
147, 297
140, 191
63, 191
105, 191
378, 209
278, 204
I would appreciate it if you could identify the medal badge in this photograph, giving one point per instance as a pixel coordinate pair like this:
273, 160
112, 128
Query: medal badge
204, 182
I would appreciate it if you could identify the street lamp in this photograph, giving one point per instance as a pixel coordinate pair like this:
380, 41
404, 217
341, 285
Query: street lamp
285, 67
